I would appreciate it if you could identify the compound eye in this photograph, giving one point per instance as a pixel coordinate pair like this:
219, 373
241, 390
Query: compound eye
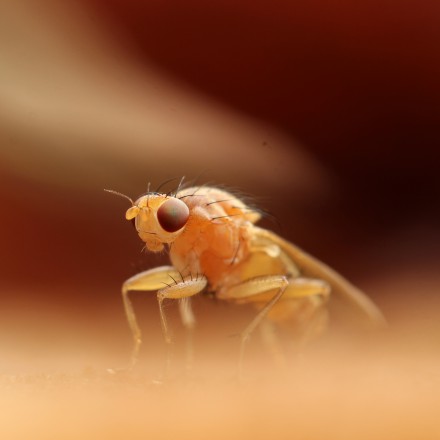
172, 215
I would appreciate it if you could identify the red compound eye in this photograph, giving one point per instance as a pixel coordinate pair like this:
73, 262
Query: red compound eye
172, 215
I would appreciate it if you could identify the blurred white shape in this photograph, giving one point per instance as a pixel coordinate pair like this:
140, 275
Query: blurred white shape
77, 107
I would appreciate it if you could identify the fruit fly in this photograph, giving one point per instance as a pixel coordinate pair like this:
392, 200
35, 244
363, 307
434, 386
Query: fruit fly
214, 246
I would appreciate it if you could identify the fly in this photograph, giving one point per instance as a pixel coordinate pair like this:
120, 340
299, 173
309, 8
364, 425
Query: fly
214, 244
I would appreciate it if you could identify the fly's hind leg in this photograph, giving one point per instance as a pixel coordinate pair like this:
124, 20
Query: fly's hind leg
270, 339
154, 280
312, 317
316, 325
248, 289
284, 289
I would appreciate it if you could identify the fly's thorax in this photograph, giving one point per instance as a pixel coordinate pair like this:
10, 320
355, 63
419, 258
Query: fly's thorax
216, 200
213, 248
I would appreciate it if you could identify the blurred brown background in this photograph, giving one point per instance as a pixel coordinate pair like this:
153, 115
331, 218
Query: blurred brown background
327, 112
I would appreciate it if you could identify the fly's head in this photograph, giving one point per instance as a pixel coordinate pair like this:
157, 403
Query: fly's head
158, 219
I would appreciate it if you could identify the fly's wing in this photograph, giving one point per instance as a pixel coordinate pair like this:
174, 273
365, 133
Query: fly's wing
311, 266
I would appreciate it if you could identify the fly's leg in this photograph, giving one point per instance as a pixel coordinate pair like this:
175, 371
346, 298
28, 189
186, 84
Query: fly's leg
150, 280
248, 289
272, 343
314, 318
317, 323
284, 289
188, 321
182, 291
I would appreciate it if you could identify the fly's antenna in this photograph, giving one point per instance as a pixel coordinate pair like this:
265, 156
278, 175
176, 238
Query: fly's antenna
120, 195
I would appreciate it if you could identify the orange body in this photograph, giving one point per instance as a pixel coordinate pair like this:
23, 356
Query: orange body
216, 241
214, 244
220, 241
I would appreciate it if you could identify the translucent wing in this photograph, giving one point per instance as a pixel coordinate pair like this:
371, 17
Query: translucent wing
312, 267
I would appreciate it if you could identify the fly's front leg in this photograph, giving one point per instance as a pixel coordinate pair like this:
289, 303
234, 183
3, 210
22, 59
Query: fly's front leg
182, 291
150, 280
188, 321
